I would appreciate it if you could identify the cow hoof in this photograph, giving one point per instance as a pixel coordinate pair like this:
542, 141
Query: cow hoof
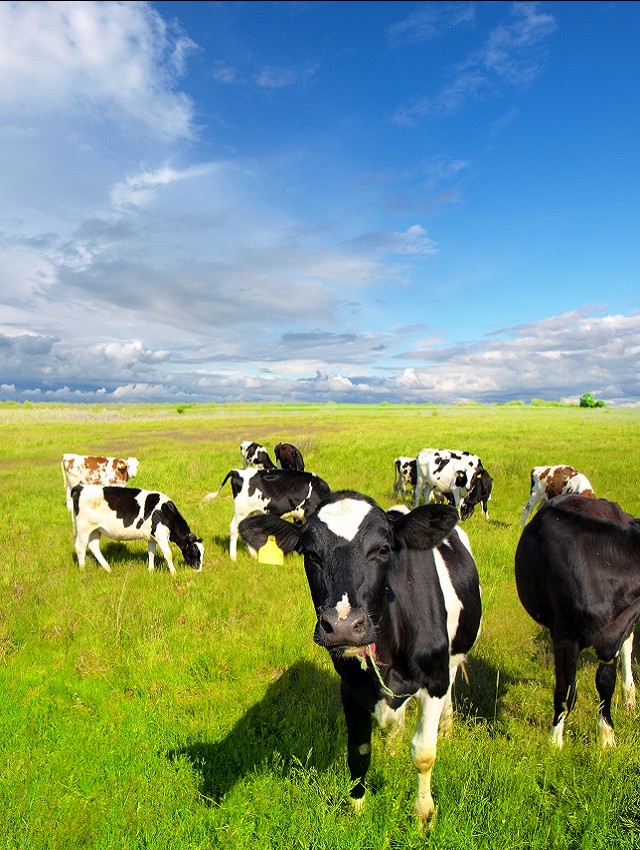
357, 805
427, 814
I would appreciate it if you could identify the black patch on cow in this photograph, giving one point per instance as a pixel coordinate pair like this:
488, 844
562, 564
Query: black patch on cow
148, 508
123, 502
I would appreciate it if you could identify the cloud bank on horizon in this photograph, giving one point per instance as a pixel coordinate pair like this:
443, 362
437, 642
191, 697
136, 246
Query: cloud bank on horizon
396, 201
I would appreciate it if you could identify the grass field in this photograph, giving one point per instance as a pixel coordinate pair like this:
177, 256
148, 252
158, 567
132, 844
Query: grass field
142, 710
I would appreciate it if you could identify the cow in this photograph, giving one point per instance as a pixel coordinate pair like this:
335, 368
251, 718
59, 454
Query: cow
95, 469
288, 457
450, 474
404, 477
281, 492
577, 569
253, 454
128, 513
479, 494
550, 481
397, 599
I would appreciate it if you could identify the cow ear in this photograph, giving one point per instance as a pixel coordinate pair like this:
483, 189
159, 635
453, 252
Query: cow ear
425, 526
255, 531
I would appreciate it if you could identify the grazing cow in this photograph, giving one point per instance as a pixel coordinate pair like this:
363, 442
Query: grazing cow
282, 492
289, 457
446, 473
577, 568
404, 477
479, 494
547, 482
127, 513
253, 454
398, 604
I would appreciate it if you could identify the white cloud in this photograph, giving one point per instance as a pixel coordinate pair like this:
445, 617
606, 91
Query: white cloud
77, 58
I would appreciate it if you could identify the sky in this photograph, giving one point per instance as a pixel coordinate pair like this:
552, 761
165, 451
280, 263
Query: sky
319, 201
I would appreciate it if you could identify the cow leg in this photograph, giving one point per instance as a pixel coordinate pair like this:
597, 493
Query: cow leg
628, 685
80, 545
423, 749
162, 539
233, 538
606, 685
359, 724
151, 551
94, 548
565, 654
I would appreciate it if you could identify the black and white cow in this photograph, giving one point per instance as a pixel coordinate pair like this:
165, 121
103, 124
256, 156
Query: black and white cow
281, 492
127, 513
577, 568
289, 457
398, 606
253, 454
451, 474
547, 482
404, 477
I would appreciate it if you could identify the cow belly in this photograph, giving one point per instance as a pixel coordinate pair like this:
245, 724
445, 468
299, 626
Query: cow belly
121, 532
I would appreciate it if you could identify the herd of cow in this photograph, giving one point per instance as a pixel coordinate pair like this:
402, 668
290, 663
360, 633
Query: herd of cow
396, 592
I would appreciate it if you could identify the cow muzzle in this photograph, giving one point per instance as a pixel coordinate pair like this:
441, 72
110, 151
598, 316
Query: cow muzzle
334, 630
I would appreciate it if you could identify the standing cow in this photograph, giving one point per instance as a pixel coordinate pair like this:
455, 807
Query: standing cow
547, 482
253, 454
282, 492
405, 477
398, 607
451, 474
577, 568
131, 514
95, 469
289, 457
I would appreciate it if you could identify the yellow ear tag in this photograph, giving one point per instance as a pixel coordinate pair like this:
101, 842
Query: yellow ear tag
270, 553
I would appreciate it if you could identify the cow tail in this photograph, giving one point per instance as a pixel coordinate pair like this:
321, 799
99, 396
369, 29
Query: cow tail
211, 496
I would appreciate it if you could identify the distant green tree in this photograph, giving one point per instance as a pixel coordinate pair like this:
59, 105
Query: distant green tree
587, 400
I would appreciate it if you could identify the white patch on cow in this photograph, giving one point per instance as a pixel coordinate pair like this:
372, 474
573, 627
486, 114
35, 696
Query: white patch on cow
344, 518
343, 607
451, 601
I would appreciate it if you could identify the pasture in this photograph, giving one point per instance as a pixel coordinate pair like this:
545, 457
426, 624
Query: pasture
140, 710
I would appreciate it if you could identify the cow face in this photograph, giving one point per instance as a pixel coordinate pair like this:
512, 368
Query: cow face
193, 552
349, 546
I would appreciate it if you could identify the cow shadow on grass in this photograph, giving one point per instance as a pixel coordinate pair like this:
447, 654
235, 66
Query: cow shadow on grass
297, 723
300, 723
480, 690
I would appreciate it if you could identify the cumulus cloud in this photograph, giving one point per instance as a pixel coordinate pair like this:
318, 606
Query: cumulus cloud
567, 355
121, 57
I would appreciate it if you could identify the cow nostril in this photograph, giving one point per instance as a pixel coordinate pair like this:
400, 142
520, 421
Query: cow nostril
359, 625
325, 625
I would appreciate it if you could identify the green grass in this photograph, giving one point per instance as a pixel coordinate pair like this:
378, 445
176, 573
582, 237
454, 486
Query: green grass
139, 710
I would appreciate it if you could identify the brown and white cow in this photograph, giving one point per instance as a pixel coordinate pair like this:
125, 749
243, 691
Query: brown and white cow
95, 469
547, 482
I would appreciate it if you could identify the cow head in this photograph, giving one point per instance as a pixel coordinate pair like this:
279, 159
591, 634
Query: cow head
193, 551
350, 548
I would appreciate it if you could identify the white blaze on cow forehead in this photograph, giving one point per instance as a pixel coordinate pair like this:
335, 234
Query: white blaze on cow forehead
344, 518
343, 607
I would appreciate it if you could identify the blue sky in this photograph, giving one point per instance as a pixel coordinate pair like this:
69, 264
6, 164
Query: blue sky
346, 201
